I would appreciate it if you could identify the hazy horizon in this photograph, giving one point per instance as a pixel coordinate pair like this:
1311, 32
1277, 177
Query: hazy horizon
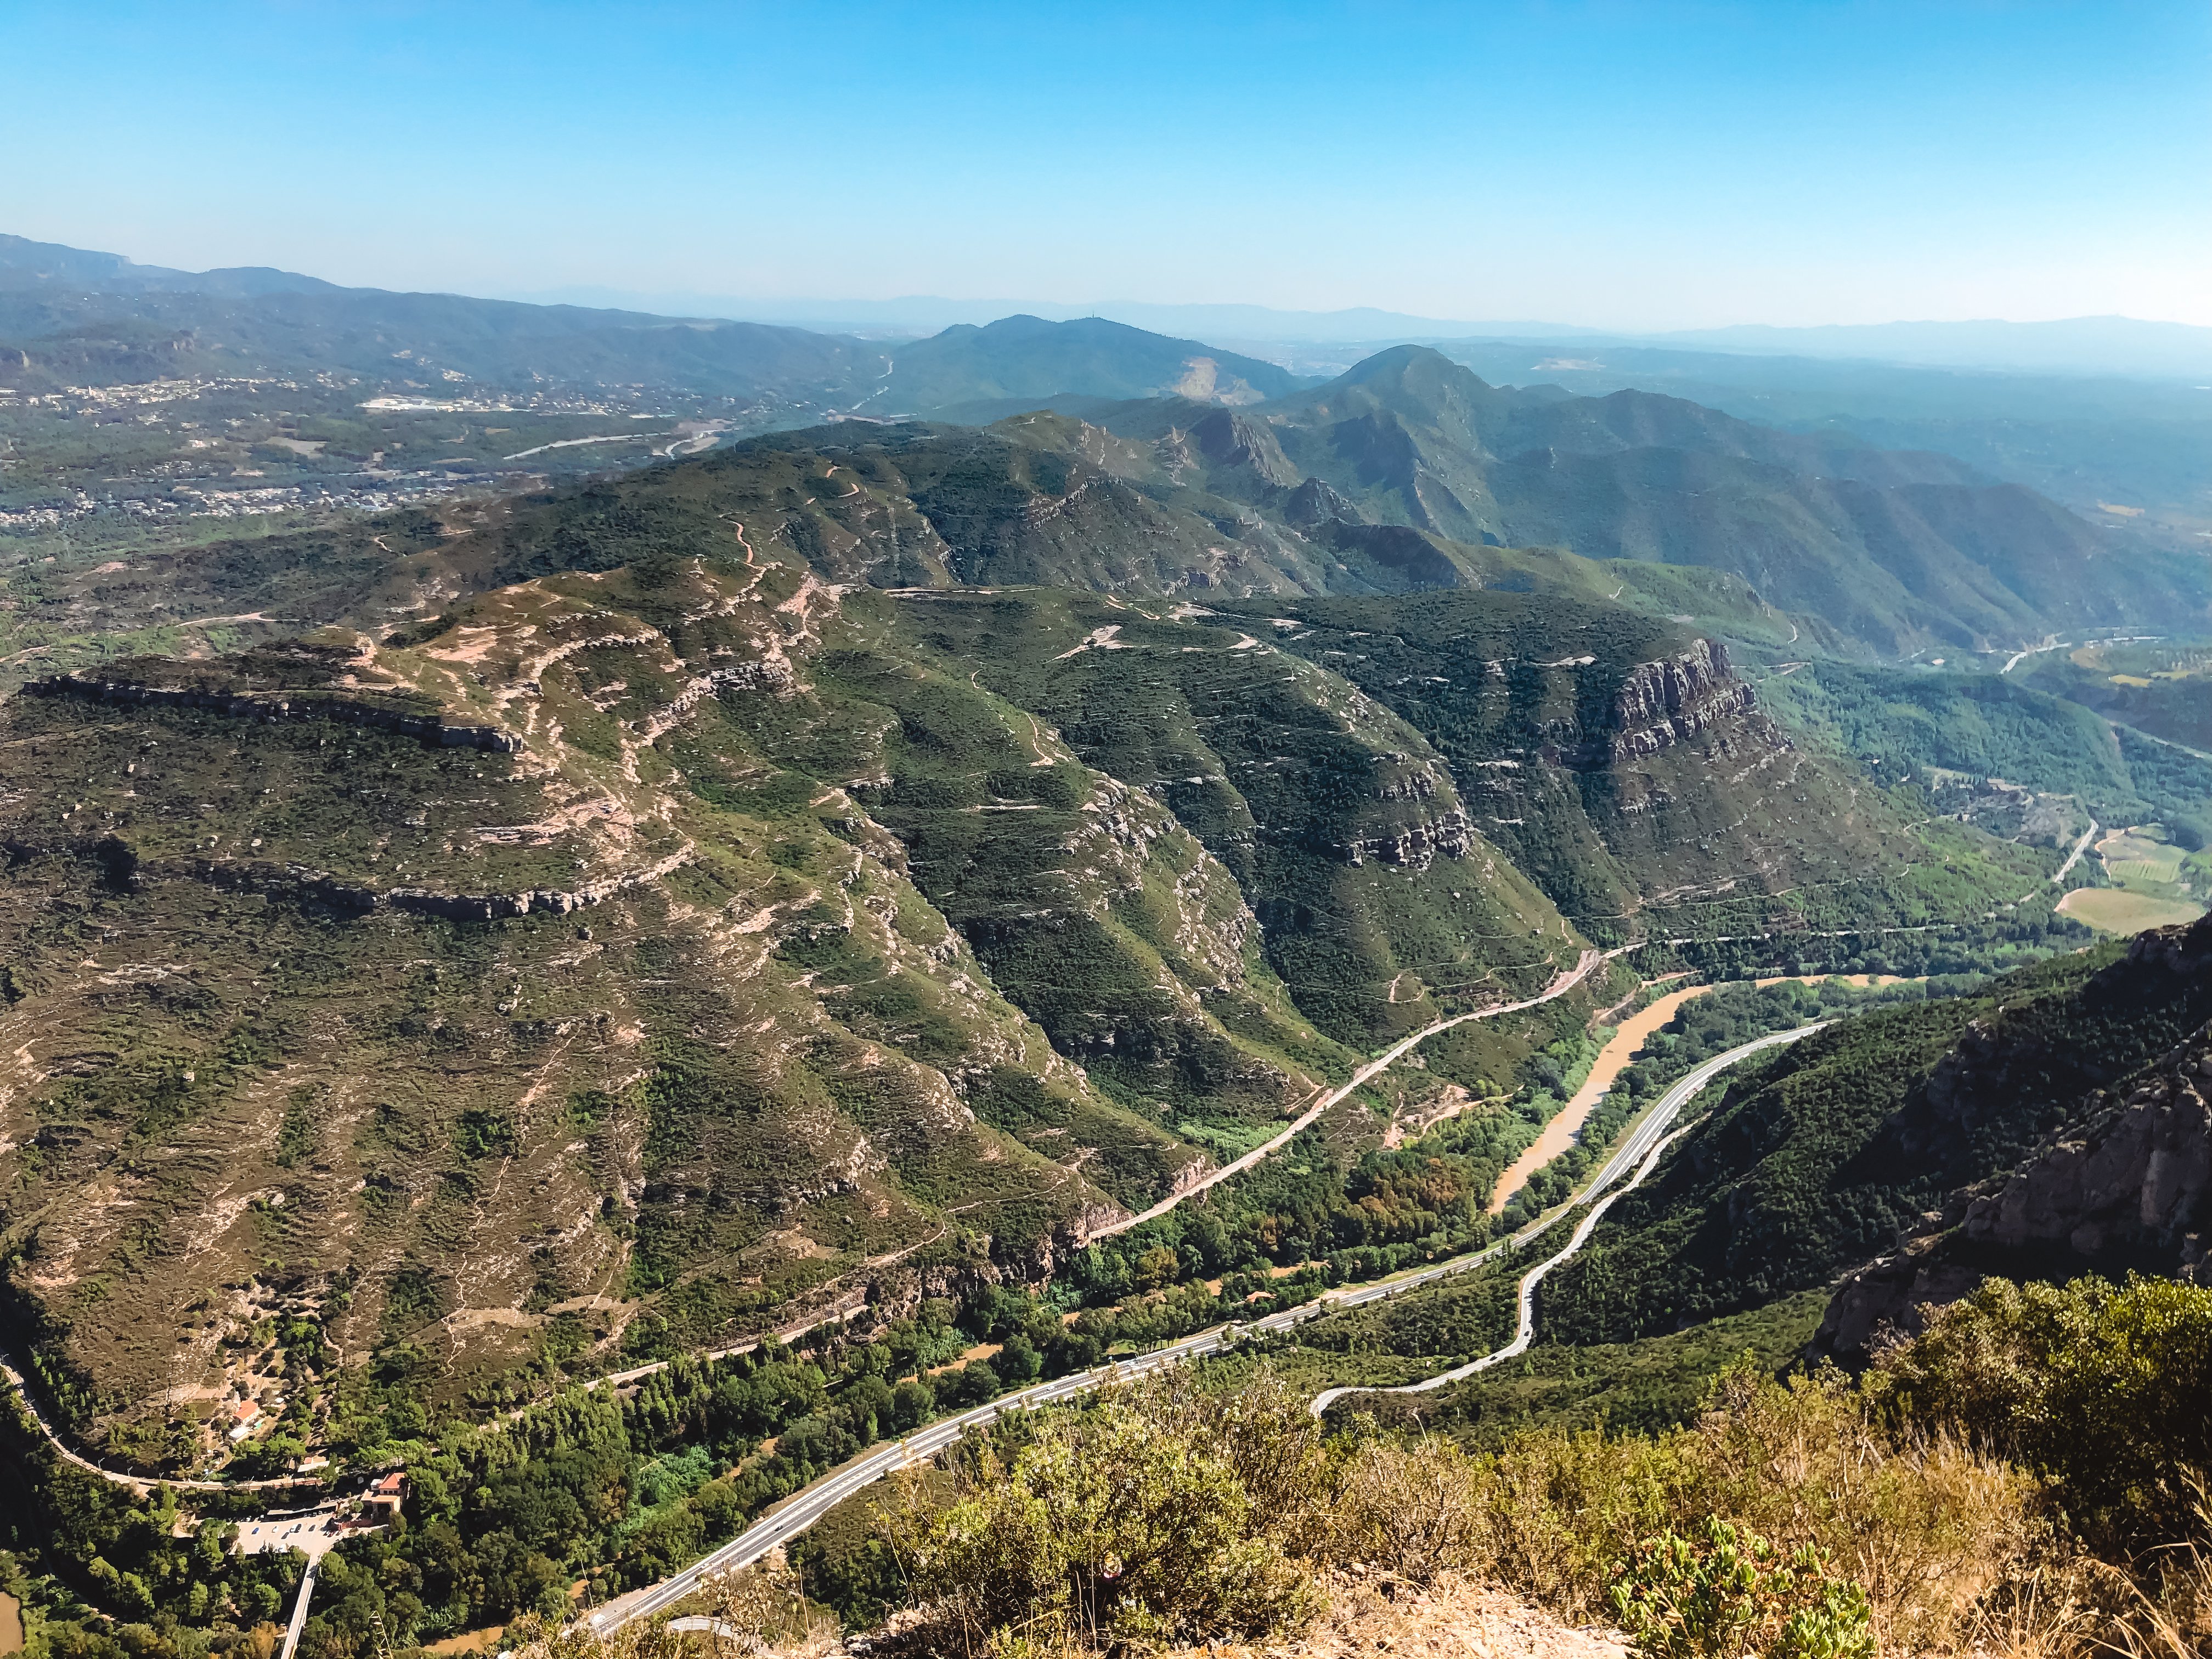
1667, 168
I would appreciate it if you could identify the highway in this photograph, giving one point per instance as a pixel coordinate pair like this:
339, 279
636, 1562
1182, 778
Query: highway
1640, 1151
1648, 1142
1566, 982
2075, 857
300, 1608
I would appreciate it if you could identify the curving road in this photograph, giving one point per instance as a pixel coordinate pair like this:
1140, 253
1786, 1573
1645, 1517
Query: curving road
1648, 1142
1566, 982
140, 1483
1641, 1151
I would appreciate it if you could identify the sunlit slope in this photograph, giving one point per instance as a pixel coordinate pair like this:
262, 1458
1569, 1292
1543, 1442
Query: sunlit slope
1375, 895
480, 1050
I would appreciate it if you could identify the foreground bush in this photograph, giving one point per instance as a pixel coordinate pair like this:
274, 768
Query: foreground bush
1924, 1524
1156, 1515
1800, 1519
1160, 1514
1728, 1592
2105, 1390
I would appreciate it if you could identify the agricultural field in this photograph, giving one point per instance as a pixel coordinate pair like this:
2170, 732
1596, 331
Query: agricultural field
2156, 882
2117, 910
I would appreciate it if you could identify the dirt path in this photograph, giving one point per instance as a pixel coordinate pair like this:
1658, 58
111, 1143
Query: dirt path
1566, 982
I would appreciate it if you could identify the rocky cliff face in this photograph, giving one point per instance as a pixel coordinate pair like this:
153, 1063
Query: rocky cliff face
1673, 700
2130, 1178
1226, 439
2125, 1184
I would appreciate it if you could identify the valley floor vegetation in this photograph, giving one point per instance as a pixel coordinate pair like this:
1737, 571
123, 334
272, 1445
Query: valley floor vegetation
2026, 1478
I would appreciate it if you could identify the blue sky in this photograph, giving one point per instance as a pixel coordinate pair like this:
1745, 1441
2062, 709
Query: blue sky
1616, 165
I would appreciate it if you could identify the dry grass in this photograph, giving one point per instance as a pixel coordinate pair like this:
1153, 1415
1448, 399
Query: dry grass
2115, 910
1417, 1548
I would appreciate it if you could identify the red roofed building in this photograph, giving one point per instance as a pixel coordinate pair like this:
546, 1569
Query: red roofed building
385, 1496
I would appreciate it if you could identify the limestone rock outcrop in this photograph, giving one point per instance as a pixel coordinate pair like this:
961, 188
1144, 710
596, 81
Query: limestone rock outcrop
2124, 1183
1671, 701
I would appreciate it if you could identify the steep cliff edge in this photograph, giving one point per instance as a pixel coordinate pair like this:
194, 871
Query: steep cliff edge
1626, 767
1675, 699
2121, 1185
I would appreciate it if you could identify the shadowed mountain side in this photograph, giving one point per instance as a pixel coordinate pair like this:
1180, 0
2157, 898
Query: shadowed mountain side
1817, 1161
2123, 1184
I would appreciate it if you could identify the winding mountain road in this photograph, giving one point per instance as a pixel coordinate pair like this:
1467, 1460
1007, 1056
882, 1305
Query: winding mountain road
137, 1483
1640, 1151
1559, 987
1647, 1143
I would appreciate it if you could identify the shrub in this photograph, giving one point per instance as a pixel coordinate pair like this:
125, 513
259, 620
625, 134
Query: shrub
2101, 1389
1151, 1514
1407, 1510
1924, 1524
1729, 1592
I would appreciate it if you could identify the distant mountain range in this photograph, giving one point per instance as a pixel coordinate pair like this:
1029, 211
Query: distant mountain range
1223, 470
2070, 346
98, 318
1409, 472
926, 314
2076, 345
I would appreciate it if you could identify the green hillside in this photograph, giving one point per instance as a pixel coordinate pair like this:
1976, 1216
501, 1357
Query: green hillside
1815, 1160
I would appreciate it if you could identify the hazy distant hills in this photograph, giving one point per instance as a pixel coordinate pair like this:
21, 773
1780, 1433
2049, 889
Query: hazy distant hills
2087, 439
1394, 475
100, 318
1410, 473
930, 314
2073, 346
1019, 359
54, 268
1896, 549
